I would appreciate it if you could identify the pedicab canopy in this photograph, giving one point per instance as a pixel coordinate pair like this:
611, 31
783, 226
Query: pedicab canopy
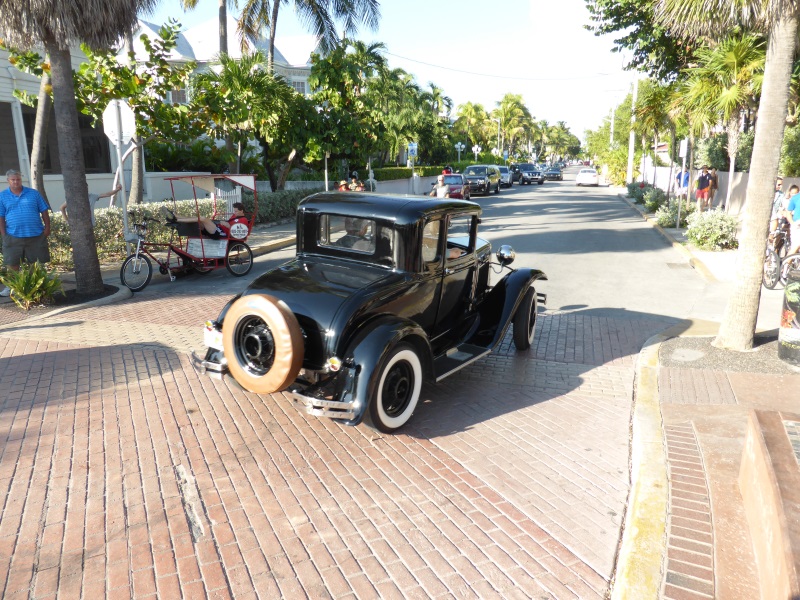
206, 182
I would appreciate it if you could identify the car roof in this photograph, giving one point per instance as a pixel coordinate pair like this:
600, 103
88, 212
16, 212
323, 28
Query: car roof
402, 210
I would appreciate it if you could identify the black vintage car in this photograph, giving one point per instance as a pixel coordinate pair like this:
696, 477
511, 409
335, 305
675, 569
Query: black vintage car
385, 291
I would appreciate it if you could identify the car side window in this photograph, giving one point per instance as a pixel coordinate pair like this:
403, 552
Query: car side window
430, 242
459, 236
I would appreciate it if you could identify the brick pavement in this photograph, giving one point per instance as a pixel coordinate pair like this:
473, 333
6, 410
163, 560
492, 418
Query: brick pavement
510, 481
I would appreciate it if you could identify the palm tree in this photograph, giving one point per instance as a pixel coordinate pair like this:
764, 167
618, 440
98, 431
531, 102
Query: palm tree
320, 15
652, 115
779, 20
725, 82
223, 19
56, 25
470, 117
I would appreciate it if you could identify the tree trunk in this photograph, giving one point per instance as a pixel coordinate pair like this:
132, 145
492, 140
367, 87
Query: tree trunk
273, 22
733, 150
223, 26
739, 319
286, 168
40, 130
137, 174
88, 278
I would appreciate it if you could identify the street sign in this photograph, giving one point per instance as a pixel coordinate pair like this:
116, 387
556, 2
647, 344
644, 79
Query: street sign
505, 154
412, 148
119, 122
684, 147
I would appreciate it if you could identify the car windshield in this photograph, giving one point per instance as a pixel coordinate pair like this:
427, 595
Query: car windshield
453, 179
476, 171
527, 167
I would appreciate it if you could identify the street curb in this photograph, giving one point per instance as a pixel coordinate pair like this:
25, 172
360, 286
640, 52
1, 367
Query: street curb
274, 245
638, 571
122, 293
695, 262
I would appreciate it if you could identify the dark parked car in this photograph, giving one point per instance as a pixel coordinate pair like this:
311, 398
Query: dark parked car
530, 173
483, 178
554, 174
385, 291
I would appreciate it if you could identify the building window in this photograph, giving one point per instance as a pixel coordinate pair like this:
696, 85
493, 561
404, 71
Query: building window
299, 87
177, 96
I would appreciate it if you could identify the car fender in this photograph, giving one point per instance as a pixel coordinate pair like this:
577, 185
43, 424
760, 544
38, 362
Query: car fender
369, 348
499, 306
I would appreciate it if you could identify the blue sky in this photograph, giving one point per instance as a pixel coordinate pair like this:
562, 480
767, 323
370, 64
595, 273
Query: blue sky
477, 51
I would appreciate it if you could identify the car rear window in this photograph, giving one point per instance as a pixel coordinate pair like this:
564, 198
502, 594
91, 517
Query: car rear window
453, 179
476, 171
347, 233
504, 169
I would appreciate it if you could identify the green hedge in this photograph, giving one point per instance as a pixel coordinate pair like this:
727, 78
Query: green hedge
108, 223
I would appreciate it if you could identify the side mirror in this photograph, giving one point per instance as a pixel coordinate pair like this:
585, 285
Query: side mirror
505, 255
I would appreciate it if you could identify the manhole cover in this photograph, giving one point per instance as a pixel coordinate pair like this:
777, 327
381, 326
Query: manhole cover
687, 354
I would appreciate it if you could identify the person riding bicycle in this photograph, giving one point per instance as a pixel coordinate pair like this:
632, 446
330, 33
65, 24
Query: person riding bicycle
209, 228
792, 214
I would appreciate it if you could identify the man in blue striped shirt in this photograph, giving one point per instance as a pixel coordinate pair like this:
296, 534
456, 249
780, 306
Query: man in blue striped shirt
24, 225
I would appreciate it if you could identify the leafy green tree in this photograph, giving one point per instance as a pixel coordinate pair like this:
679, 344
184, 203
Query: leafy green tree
652, 114
779, 21
241, 100
655, 50
55, 25
143, 85
470, 118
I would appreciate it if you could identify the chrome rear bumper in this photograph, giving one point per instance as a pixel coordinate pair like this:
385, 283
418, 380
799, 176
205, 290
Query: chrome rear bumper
320, 407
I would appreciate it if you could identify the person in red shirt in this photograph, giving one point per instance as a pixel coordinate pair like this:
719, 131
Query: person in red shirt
210, 228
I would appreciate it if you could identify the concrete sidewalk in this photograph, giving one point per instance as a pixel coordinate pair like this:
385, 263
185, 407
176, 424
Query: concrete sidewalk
692, 528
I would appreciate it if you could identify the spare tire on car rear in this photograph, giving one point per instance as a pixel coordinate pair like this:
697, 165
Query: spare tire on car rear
263, 343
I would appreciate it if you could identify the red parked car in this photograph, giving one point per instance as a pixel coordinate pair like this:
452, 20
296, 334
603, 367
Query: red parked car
459, 188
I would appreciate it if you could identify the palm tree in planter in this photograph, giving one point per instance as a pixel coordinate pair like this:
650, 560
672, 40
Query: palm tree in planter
778, 19
56, 25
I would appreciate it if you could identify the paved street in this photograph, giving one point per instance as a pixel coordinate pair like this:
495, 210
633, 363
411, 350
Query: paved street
124, 473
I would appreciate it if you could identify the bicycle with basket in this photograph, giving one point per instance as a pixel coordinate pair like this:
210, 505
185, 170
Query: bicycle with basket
188, 250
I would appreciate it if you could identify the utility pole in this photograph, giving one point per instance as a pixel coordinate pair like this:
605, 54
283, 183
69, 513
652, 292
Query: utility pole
632, 137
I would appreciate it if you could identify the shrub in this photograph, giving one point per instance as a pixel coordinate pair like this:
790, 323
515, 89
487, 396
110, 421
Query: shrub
712, 230
637, 191
654, 198
667, 214
32, 284
108, 232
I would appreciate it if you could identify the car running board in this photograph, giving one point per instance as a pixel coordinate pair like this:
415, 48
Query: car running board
456, 359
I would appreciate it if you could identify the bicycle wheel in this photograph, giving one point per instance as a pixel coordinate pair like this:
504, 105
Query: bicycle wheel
136, 272
772, 268
239, 259
790, 263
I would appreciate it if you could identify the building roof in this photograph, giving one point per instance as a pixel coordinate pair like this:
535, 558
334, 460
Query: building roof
200, 44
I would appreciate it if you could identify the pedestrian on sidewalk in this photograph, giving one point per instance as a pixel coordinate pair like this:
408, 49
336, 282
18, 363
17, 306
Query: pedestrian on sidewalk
24, 225
701, 193
714, 187
682, 184
779, 203
93, 198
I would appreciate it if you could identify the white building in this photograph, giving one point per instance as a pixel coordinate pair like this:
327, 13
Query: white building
198, 44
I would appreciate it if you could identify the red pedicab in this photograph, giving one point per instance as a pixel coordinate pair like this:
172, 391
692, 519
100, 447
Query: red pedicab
190, 250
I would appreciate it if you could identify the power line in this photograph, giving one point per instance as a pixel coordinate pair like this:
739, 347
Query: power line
497, 76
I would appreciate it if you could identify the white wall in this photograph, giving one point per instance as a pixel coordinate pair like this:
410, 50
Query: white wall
156, 186
738, 191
